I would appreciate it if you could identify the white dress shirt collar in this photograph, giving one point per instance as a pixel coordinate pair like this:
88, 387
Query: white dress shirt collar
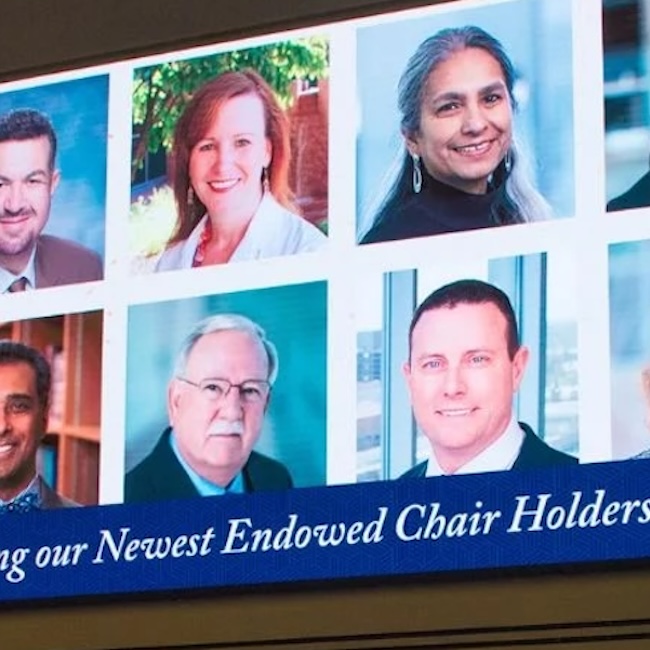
499, 456
7, 278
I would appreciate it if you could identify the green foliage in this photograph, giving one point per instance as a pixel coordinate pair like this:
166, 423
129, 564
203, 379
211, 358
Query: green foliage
161, 92
151, 223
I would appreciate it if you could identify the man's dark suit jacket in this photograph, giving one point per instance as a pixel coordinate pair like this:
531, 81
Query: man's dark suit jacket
638, 196
533, 453
60, 261
50, 499
161, 477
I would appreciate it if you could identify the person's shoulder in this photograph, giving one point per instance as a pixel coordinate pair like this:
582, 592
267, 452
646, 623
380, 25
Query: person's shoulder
294, 233
159, 476
67, 261
170, 259
399, 221
138, 484
174, 255
144, 264
160, 453
51, 499
58, 245
385, 229
535, 452
638, 196
266, 473
141, 482
67, 503
308, 236
418, 471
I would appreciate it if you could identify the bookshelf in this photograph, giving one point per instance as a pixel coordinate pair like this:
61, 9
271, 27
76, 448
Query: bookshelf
72, 343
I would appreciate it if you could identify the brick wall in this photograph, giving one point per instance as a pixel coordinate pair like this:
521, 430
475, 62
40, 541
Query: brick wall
309, 132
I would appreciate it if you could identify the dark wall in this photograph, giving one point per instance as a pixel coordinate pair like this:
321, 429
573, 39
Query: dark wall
41, 35
596, 609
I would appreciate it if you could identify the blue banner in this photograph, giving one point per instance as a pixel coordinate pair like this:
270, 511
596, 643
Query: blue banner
508, 519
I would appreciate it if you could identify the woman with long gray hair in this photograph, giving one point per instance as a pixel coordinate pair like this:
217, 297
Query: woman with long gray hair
462, 168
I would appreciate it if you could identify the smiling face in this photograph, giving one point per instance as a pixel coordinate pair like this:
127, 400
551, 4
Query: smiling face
226, 163
23, 420
462, 380
466, 121
216, 435
26, 186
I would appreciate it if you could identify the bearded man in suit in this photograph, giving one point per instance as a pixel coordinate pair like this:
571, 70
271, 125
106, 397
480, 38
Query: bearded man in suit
465, 365
30, 259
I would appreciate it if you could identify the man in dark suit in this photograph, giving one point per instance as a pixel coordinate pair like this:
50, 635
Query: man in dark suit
24, 404
28, 180
465, 365
216, 402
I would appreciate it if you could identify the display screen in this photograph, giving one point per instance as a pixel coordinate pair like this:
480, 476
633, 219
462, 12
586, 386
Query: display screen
364, 299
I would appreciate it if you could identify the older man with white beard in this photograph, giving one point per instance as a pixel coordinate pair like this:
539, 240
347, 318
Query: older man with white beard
216, 402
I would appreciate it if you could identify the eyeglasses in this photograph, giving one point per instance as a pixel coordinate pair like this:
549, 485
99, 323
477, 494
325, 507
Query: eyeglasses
251, 391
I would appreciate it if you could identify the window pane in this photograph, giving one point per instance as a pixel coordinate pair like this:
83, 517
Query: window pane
561, 392
370, 341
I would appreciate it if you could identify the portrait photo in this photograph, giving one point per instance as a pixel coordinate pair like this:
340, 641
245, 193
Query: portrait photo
626, 36
629, 325
230, 156
53, 141
458, 128
50, 386
468, 368
229, 396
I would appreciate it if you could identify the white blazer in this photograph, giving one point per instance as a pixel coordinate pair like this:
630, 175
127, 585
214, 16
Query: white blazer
273, 231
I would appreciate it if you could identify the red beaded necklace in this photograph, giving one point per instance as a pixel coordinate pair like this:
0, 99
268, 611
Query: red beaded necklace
204, 240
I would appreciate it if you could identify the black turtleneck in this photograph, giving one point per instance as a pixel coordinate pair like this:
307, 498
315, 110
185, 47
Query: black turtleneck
437, 209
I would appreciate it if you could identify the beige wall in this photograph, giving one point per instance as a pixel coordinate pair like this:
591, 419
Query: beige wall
603, 609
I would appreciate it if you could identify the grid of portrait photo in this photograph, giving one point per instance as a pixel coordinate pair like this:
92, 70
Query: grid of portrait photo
405, 246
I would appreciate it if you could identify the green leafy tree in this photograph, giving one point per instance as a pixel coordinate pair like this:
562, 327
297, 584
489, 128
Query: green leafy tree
161, 92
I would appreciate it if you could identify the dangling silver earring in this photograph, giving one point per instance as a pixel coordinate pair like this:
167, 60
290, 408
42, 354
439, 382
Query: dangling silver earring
507, 161
190, 196
266, 184
417, 173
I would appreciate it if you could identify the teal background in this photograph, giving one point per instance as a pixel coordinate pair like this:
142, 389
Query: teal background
294, 318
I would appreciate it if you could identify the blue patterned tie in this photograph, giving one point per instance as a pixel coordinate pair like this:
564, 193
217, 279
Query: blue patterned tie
22, 503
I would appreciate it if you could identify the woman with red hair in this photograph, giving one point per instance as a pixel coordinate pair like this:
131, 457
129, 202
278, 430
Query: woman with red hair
229, 173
